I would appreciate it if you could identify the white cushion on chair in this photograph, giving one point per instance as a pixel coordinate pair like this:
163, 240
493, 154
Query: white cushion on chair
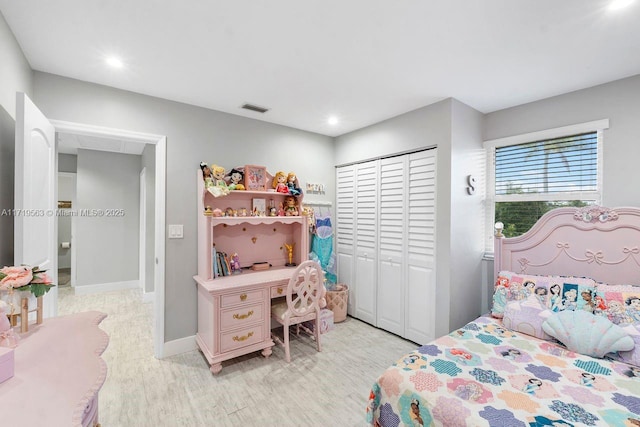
279, 309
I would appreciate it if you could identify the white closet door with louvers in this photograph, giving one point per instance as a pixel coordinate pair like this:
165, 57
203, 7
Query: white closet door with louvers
345, 231
420, 249
386, 242
366, 239
391, 243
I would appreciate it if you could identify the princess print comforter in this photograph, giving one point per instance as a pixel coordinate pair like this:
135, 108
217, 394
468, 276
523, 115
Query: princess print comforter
486, 375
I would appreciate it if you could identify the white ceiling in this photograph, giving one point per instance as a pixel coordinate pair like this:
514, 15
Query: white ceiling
69, 143
361, 60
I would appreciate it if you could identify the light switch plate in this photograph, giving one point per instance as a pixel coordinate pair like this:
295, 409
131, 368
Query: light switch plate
175, 231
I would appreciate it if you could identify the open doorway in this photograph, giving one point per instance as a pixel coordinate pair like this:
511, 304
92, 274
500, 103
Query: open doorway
129, 153
66, 204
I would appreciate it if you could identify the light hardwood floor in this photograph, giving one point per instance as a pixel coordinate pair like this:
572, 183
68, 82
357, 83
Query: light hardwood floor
329, 388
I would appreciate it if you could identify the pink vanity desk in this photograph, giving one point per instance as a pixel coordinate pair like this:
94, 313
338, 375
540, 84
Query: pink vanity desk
234, 312
58, 373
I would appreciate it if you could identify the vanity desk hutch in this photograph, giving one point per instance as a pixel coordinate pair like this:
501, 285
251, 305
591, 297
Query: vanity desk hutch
234, 311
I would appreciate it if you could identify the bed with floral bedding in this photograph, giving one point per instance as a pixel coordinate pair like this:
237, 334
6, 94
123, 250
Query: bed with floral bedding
487, 375
561, 345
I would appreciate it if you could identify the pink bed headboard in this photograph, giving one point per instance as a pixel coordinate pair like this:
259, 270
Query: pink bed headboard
595, 242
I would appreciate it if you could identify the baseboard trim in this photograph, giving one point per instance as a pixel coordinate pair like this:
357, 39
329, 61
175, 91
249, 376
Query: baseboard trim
179, 346
106, 287
148, 297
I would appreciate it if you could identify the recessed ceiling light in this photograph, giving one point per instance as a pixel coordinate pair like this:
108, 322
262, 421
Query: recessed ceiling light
333, 120
114, 62
619, 4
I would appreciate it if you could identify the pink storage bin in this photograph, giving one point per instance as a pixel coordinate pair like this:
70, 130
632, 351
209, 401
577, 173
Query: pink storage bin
326, 321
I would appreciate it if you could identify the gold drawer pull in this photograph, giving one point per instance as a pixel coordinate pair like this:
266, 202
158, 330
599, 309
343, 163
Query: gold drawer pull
279, 291
243, 316
243, 297
244, 337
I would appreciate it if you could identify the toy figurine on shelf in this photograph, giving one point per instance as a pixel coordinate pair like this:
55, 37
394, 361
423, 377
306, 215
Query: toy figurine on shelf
235, 264
280, 182
206, 175
208, 211
290, 254
292, 184
290, 207
219, 187
272, 208
236, 176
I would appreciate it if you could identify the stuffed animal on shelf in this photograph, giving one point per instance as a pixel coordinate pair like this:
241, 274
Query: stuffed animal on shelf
280, 182
290, 207
236, 176
206, 175
292, 184
219, 187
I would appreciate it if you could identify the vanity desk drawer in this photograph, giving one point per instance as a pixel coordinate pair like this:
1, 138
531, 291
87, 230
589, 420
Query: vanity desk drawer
240, 316
279, 289
240, 338
248, 297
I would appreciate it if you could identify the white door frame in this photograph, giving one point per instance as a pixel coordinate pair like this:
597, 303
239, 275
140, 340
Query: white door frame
142, 248
160, 142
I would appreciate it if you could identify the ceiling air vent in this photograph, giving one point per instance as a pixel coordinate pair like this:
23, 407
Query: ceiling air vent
255, 108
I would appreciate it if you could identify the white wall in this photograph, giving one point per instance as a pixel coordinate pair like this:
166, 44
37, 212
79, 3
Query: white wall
15, 75
67, 163
107, 246
15, 72
194, 134
7, 182
466, 215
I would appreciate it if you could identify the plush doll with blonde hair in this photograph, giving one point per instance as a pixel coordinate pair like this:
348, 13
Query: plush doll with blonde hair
292, 184
219, 187
280, 182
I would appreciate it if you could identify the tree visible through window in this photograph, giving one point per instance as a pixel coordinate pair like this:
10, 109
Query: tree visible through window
535, 177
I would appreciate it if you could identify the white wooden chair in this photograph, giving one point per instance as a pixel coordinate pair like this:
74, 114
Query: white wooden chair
301, 304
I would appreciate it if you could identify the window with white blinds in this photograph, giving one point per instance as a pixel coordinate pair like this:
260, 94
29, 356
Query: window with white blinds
560, 165
531, 174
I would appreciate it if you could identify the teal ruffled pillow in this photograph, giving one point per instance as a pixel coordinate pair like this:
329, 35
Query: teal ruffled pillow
584, 333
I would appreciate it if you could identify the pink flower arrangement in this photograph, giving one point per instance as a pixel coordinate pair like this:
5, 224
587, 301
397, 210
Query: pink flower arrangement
25, 278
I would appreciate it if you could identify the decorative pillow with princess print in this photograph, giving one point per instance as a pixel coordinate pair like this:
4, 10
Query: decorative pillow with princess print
621, 305
525, 301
